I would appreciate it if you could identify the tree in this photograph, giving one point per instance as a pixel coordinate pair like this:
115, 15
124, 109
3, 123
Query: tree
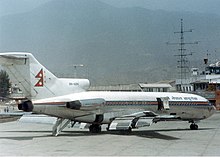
4, 84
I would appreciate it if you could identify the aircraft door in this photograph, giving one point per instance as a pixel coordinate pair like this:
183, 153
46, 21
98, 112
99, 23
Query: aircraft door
160, 104
163, 103
166, 103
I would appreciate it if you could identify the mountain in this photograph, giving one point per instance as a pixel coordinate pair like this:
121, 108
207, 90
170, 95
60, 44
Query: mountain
201, 6
8, 7
116, 45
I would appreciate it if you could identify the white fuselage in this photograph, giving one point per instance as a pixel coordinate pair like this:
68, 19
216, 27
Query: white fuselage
186, 106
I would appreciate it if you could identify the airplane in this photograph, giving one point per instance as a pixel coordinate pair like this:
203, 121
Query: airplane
70, 101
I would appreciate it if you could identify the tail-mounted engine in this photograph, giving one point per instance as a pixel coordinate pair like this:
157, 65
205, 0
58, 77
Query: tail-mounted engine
88, 104
26, 106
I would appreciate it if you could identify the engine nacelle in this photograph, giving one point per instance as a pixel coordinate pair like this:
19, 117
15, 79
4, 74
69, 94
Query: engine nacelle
88, 104
26, 106
76, 105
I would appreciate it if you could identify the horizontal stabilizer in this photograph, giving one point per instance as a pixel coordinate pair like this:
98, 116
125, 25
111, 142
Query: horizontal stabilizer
8, 59
12, 57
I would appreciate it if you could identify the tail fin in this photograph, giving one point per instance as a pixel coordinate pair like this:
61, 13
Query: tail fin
35, 81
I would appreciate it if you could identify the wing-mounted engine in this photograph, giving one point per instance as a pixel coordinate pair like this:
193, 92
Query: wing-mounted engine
26, 106
87, 104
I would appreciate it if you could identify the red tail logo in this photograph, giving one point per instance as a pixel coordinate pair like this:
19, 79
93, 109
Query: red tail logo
40, 75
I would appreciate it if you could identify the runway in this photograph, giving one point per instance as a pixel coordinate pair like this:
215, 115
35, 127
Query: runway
161, 139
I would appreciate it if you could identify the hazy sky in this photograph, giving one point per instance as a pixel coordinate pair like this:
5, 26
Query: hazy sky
203, 6
80, 42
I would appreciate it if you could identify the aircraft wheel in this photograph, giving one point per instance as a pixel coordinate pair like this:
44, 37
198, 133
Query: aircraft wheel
95, 128
194, 126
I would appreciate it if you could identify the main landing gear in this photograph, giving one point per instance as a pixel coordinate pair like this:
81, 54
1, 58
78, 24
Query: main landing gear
95, 128
194, 126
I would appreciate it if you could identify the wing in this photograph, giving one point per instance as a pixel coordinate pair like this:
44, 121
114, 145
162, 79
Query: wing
139, 119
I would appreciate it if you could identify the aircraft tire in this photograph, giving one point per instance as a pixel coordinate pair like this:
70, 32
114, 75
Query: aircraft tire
95, 128
194, 126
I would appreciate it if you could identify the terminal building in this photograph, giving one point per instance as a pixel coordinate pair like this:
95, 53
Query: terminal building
119, 87
205, 83
144, 87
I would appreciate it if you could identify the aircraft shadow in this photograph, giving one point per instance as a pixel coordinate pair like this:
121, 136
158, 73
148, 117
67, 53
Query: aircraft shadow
23, 138
151, 134
147, 134
186, 129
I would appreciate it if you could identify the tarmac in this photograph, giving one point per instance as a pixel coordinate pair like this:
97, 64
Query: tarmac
161, 139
